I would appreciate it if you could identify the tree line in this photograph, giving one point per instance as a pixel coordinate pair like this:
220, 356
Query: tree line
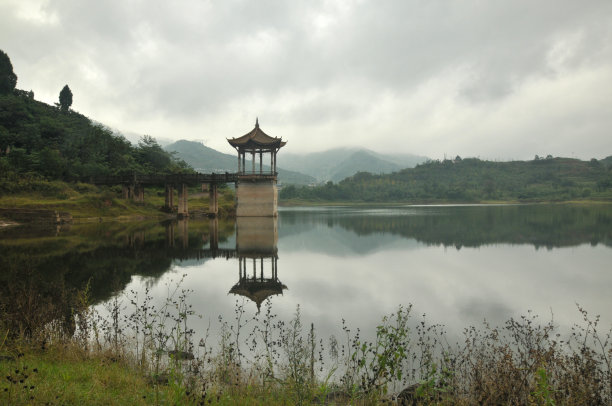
471, 180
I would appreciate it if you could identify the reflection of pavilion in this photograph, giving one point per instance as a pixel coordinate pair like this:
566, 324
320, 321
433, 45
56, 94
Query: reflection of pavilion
256, 239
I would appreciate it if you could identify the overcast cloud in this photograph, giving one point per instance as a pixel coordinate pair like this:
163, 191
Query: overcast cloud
495, 79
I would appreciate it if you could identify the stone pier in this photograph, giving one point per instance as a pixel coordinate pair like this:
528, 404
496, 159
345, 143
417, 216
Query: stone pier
183, 209
256, 196
213, 203
169, 200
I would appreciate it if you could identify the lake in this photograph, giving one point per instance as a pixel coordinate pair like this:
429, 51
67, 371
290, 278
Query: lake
457, 265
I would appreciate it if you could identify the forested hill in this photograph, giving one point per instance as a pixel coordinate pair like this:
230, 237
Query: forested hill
42, 141
471, 180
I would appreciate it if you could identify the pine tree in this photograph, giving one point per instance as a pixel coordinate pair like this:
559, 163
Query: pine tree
65, 98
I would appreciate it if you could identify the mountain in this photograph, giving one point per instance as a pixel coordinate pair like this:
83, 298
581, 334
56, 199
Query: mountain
339, 163
205, 159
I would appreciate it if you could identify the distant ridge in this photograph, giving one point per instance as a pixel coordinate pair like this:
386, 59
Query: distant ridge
205, 159
339, 163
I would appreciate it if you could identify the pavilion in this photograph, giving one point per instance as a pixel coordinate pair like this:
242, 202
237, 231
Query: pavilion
256, 191
256, 142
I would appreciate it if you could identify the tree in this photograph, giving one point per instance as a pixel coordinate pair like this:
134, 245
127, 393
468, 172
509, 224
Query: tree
65, 98
8, 79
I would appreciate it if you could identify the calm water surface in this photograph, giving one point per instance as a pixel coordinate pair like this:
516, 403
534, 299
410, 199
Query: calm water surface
459, 265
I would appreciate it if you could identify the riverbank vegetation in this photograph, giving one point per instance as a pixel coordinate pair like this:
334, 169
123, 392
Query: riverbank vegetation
471, 180
136, 352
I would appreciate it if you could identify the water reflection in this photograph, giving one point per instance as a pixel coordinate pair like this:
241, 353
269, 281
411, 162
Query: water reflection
346, 262
256, 240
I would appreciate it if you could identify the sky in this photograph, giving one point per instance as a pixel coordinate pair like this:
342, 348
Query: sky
498, 80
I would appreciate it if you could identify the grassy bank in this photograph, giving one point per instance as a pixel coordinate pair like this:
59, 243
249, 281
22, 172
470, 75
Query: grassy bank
87, 202
143, 354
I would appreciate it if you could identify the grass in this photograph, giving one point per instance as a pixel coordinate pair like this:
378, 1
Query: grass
145, 354
88, 202
62, 375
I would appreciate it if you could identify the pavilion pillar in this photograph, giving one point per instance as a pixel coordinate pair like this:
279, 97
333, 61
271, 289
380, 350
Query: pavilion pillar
183, 210
253, 157
238, 162
243, 161
260, 162
213, 204
254, 270
169, 201
125, 191
274, 168
272, 161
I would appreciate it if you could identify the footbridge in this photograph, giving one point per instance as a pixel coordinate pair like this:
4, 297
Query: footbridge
256, 190
133, 187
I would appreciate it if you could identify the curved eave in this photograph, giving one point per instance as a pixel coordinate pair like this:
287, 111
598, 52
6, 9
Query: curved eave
252, 144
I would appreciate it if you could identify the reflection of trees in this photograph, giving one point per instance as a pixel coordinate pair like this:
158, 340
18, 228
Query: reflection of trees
42, 270
542, 226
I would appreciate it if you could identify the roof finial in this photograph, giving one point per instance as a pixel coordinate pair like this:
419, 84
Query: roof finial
257, 122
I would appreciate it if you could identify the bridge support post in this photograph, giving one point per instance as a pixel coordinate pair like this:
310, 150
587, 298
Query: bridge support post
138, 193
213, 202
125, 192
169, 201
183, 210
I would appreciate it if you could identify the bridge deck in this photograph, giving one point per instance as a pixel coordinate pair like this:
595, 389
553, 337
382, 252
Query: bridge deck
176, 179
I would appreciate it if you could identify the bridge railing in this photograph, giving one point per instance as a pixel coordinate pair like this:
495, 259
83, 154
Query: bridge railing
194, 178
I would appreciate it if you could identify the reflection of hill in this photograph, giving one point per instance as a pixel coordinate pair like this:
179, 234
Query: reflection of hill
472, 226
337, 241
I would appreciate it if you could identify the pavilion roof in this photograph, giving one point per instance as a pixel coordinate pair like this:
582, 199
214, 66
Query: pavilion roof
256, 139
258, 290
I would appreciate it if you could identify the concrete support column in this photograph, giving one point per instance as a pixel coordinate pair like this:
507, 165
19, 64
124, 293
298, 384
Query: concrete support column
125, 192
183, 210
169, 201
138, 193
213, 203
